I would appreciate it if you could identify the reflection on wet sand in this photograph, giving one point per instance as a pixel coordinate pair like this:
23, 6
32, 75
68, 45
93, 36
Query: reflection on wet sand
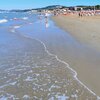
44, 18
37, 75
46, 23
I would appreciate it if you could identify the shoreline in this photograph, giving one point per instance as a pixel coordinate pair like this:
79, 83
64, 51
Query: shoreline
26, 71
75, 75
67, 66
86, 61
37, 54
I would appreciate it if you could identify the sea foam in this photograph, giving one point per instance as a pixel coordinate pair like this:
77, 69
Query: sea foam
15, 27
3, 20
25, 18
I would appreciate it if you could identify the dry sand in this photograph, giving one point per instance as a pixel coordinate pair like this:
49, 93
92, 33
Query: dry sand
87, 32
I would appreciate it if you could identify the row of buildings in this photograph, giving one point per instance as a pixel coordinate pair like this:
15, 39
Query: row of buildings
85, 10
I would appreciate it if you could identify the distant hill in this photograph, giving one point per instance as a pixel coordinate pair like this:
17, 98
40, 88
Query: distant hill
52, 7
44, 8
18, 10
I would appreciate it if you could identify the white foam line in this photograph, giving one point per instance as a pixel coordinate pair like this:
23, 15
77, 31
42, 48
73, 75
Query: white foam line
14, 27
67, 65
3, 21
17, 26
75, 76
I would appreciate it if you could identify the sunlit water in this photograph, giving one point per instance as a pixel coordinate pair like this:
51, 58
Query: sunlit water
28, 71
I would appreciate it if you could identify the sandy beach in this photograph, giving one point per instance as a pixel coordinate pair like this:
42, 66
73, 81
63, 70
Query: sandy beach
86, 31
38, 60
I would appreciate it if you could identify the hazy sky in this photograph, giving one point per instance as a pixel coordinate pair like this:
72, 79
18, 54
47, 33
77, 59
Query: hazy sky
22, 4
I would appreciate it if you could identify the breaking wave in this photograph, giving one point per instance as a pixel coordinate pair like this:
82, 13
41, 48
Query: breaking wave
3, 21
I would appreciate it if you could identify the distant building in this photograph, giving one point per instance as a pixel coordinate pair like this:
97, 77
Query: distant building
33, 11
75, 8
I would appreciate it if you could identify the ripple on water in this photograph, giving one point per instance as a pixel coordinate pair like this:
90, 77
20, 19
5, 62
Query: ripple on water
39, 75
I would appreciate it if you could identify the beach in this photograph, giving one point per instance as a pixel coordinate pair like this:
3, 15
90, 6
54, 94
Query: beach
39, 61
86, 31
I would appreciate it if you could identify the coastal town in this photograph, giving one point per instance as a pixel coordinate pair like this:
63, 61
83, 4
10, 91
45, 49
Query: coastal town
62, 10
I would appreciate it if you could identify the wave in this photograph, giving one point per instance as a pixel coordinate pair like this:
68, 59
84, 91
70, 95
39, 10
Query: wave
25, 18
67, 65
16, 27
3, 21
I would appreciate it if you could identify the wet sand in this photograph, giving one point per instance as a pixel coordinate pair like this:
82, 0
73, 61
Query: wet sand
86, 60
29, 72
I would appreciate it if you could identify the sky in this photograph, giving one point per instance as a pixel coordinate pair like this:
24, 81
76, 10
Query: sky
24, 4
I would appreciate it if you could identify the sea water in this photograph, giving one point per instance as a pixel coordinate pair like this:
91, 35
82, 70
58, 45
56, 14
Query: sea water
28, 70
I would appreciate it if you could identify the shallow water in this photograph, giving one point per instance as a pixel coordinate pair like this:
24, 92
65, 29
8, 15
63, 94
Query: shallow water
28, 71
